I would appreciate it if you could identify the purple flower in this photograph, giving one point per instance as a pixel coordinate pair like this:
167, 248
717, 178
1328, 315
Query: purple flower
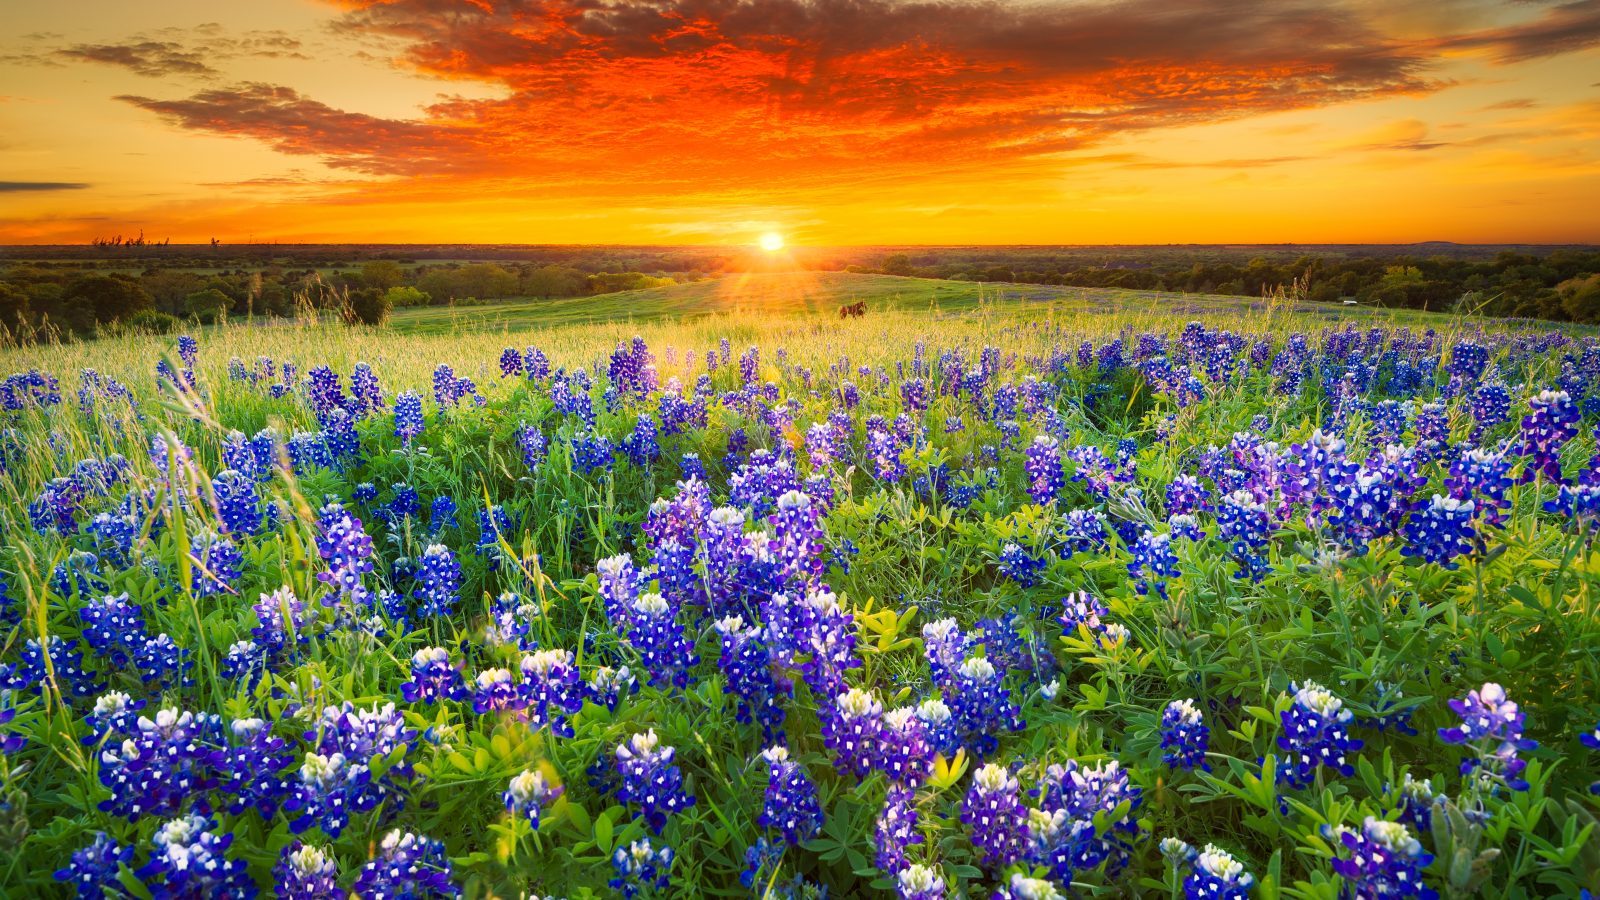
1384, 861
1022, 567
93, 869
641, 868
1043, 468
896, 828
216, 564
1184, 736
1491, 725
853, 730
407, 417
918, 882
651, 779
790, 803
1217, 876
1316, 733
747, 664
305, 872
1551, 424
438, 582
529, 794
410, 866
162, 765
433, 678
981, 705
251, 768
347, 550
995, 818
551, 690
189, 859
1439, 530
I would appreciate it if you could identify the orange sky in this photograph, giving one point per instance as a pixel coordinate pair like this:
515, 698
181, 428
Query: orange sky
829, 121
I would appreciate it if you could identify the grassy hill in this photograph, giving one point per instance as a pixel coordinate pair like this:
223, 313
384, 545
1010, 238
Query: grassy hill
807, 293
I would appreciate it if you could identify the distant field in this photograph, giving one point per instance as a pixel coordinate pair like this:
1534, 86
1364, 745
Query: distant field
822, 293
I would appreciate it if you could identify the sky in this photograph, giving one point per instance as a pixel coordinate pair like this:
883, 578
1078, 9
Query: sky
830, 122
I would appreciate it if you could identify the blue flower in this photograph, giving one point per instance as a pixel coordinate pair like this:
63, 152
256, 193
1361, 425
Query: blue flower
1384, 861
1316, 733
92, 873
919, 882
746, 663
790, 804
433, 678
408, 422
189, 859
995, 818
651, 779
852, 728
1043, 468
305, 872
1217, 876
410, 866
438, 582
1491, 724
641, 869
529, 794
1184, 736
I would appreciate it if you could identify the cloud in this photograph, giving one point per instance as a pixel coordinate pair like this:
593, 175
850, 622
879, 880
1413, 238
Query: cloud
687, 94
1559, 29
152, 58
295, 124
14, 187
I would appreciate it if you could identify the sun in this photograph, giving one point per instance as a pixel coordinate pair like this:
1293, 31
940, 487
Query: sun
771, 242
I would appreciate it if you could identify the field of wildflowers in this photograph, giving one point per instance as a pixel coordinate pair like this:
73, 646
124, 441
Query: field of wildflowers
983, 606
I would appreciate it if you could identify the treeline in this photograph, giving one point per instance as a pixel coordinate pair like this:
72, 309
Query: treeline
41, 299
1562, 285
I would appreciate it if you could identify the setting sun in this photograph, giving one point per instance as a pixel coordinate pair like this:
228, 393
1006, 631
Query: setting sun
772, 242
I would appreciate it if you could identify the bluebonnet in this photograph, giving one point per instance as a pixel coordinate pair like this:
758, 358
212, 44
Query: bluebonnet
852, 729
433, 678
159, 767
330, 788
551, 689
92, 871
365, 393
1153, 563
641, 868
919, 882
359, 735
994, 816
529, 794
1184, 736
347, 551
534, 445
162, 664
251, 768
895, 829
982, 706
1316, 733
1022, 567
410, 866
408, 422
285, 626
438, 582
1022, 887
1243, 522
651, 779
1217, 876
189, 859
1384, 861
1082, 530
747, 665
906, 753
510, 363
1440, 529
654, 631
1043, 468
114, 627
1552, 422
1071, 797
1483, 477
591, 451
305, 872
216, 565
790, 804
606, 686
32, 674
1491, 725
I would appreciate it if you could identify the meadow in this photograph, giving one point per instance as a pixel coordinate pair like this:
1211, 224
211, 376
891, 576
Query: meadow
704, 592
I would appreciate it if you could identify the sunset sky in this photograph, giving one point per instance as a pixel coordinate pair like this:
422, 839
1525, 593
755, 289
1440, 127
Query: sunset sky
828, 121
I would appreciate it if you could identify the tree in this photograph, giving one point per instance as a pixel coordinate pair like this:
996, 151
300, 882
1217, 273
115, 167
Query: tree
209, 305
405, 295
1580, 298
382, 274
369, 306
14, 307
897, 264
92, 299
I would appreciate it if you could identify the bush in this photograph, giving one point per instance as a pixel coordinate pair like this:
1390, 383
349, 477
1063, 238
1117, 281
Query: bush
150, 321
406, 295
369, 306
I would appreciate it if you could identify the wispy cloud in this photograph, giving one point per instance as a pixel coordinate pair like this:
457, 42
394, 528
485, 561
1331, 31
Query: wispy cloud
16, 187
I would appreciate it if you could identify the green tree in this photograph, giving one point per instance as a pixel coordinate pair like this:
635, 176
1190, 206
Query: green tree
405, 295
369, 306
89, 300
897, 264
382, 274
209, 305
1580, 297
